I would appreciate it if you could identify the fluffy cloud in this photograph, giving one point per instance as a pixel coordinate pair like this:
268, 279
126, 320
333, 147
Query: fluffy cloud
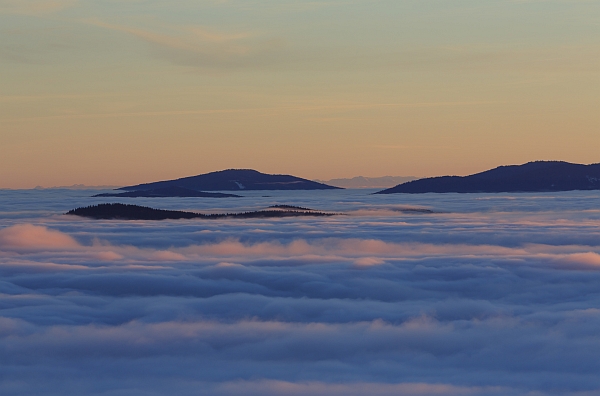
31, 237
474, 299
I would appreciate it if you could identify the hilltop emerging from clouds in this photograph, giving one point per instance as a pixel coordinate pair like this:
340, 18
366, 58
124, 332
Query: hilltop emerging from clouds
539, 176
234, 180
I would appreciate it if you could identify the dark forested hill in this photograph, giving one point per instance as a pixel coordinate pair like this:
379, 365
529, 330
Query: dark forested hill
118, 211
235, 180
539, 176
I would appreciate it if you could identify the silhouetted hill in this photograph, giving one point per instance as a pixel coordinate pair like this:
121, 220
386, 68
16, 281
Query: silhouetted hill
172, 191
117, 211
235, 180
539, 176
289, 207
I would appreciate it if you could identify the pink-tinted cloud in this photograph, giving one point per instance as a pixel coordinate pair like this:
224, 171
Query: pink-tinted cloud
267, 387
368, 261
107, 256
32, 237
589, 259
349, 247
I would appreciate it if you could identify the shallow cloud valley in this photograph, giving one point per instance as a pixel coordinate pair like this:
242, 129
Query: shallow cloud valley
486, 295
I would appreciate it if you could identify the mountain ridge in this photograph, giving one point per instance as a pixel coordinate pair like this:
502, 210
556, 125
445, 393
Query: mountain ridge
119, 211
234, 180
536, 176
164, 192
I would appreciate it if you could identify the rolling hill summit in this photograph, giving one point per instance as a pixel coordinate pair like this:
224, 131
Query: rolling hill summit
538, 176
234, 180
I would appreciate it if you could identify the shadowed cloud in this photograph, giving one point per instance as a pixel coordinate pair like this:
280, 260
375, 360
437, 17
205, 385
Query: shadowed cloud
485, 295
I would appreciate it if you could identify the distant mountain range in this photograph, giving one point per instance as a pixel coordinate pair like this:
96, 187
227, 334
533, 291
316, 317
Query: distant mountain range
234, 180
76, 187
539, 176
164, 192
368, 182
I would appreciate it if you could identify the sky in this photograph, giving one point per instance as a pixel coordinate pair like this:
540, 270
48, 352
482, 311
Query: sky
487, 295
110, 92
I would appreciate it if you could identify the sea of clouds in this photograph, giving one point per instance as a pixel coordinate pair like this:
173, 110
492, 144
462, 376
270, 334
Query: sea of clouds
490, 294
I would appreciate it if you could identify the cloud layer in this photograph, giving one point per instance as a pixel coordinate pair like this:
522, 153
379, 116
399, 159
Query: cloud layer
489, 295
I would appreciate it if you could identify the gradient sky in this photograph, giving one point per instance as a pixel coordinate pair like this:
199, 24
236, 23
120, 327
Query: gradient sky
122, 92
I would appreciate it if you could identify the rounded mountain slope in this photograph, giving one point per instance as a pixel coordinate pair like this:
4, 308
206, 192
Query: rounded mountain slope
539, 176
235, 180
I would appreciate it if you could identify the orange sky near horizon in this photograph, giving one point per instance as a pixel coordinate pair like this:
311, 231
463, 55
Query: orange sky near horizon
119, 93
